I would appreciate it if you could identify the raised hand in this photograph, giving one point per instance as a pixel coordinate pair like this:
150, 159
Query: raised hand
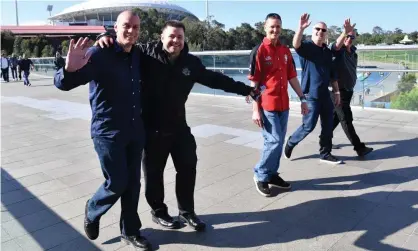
304, 21
77, 56
347, 26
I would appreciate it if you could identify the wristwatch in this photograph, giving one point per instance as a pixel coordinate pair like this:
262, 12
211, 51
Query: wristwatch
303, 99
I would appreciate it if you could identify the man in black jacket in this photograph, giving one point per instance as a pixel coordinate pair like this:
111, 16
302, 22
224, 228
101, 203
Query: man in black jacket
345, 64
172, 74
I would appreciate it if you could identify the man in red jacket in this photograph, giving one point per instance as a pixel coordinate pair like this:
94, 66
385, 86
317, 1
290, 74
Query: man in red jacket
272, 67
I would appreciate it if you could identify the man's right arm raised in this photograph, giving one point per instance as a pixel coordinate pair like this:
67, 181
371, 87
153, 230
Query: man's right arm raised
303, 24
79, 69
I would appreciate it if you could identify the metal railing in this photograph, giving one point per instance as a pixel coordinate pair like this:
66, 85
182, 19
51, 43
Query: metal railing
380, 69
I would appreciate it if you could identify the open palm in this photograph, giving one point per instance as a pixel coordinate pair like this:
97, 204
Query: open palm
347, 26
304, 21
77, 56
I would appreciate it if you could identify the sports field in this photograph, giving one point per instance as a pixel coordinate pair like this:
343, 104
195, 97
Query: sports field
406, 58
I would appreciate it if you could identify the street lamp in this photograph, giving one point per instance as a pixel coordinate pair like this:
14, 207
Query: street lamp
49, 8
17, 14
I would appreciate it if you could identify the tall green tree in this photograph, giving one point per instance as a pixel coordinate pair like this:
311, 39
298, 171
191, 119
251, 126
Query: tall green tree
7, 41
406, 83
17, 46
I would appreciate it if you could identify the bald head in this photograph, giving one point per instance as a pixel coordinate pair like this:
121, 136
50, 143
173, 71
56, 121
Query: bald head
127, 29
319, 33
124, 14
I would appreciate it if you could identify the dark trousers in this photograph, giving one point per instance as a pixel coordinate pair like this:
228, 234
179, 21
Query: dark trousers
20, 74
26, 77
343, 115
14, 72
121, 166
182, 147
5, 74
318, 108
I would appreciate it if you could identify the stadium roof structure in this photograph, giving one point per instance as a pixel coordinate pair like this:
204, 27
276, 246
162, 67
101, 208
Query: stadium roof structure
103, 10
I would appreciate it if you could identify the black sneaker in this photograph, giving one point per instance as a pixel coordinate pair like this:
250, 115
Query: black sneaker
90, 227
139, 242
262, 188
364, 151
288, 150
331, 159
278, 182
166, 221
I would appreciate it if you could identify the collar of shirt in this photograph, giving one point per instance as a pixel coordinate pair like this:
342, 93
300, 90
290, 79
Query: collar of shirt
353, 48
267, 41
119, 48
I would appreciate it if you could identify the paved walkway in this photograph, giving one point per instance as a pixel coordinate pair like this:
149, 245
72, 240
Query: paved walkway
49, 170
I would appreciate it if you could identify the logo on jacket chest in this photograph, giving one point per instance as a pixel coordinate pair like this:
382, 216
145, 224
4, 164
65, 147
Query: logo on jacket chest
186, 71
268, 61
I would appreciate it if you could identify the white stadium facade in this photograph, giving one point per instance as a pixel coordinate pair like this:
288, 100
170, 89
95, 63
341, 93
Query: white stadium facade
105, 12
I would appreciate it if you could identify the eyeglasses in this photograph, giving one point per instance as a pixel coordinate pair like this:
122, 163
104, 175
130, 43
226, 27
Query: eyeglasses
319, 29
351, 36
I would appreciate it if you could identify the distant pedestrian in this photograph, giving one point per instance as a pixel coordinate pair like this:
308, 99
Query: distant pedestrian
4, 66
25, 65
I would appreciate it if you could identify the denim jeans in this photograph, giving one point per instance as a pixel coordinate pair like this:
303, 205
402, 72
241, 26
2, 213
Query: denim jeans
318, 108
26, 77
121, 165
274, 133
14, 72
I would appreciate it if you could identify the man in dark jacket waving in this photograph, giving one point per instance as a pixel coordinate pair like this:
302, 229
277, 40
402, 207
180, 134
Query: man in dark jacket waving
172, 74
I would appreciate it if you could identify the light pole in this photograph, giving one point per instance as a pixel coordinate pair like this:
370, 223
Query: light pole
207, 10
49, 8
17, 14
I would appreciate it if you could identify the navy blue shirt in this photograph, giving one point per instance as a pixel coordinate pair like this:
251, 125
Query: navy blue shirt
115, 86
316, 63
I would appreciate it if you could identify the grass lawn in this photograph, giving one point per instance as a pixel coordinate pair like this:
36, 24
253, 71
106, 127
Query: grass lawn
410, 58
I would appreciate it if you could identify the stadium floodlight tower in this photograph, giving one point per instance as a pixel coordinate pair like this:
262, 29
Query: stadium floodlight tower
49, 8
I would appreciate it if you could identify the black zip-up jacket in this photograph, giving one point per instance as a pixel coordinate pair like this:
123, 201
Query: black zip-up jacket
167, 86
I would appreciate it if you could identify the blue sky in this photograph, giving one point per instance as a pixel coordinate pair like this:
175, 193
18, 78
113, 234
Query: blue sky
386, 14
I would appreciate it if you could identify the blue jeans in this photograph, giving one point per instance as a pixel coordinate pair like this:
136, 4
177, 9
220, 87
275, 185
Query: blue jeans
274, 133
318, 108
26, 77
121, 165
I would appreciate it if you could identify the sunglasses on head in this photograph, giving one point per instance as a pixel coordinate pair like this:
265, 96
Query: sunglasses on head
319, 29
351, 36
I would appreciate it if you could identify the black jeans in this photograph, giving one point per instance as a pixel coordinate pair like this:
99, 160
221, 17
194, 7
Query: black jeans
343, 115
182, 147
5, 74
